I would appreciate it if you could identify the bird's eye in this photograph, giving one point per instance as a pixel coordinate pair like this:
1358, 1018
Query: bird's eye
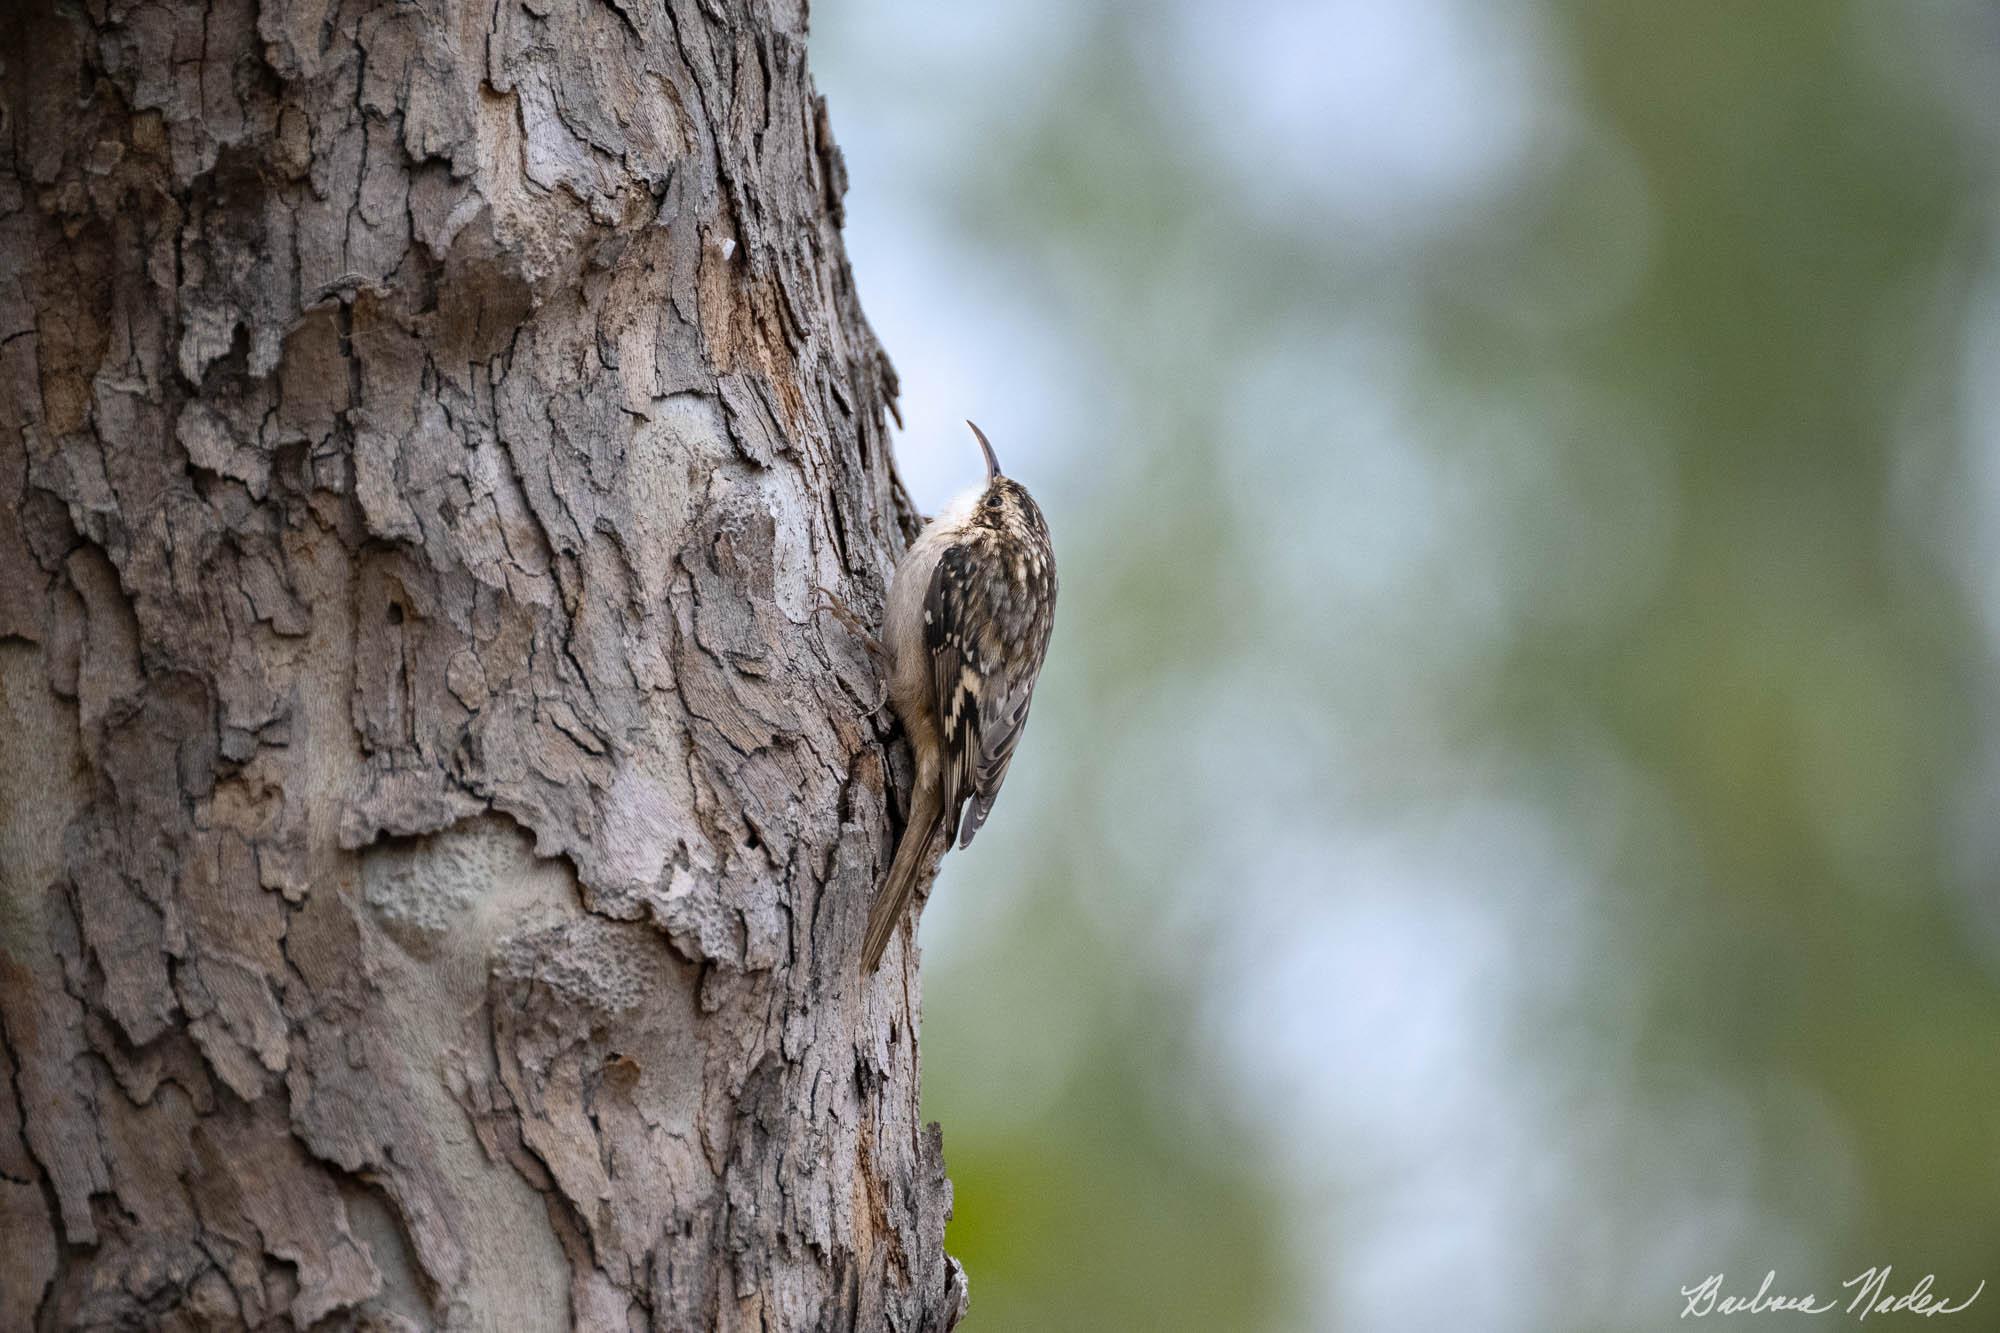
994, 501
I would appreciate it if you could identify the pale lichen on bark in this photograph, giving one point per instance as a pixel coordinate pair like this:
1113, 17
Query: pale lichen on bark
438, 828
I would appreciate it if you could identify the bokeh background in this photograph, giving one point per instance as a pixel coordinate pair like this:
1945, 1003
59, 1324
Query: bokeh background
1511, 824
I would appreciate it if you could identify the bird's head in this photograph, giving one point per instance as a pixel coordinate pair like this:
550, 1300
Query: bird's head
1004, 505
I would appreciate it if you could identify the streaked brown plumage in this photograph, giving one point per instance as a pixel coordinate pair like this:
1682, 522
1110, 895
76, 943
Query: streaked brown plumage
970, 610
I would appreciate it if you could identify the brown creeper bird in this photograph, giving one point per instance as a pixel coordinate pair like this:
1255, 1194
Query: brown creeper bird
970, 609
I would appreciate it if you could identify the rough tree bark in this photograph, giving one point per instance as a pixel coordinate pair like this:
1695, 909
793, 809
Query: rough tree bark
438, 829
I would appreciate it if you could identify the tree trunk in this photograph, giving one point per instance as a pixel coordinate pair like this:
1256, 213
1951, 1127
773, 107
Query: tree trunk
438, 828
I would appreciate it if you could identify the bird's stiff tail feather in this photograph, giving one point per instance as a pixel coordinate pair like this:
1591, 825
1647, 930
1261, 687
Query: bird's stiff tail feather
893, 900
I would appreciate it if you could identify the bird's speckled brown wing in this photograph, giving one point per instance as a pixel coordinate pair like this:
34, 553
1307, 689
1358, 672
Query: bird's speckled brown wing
987, 620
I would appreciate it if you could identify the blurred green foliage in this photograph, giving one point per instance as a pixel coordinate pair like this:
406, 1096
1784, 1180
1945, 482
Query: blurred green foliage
1673, 546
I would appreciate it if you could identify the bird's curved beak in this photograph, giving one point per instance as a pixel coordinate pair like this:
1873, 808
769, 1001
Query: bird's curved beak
986, 447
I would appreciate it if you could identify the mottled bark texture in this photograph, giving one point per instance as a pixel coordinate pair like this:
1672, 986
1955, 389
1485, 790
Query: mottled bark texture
438, 829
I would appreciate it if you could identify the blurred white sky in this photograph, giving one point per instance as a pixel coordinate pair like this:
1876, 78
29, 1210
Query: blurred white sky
911, 89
